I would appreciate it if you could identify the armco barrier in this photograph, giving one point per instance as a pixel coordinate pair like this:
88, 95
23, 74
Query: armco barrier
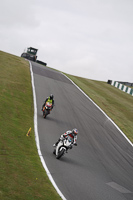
122, 87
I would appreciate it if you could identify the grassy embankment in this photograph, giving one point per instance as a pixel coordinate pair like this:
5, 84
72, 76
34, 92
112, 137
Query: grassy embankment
22, 175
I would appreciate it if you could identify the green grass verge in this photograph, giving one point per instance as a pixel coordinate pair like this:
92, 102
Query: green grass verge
117, 104
22, 175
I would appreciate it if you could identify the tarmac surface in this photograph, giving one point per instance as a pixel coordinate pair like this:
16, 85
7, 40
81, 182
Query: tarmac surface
101, 166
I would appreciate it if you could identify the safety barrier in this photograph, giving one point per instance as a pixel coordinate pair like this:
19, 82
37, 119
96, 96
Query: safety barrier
122, 87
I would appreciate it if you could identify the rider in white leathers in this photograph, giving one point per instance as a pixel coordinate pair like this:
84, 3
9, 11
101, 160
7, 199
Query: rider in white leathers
72, 134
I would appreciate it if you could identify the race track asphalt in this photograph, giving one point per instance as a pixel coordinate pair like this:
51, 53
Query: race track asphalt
101, 166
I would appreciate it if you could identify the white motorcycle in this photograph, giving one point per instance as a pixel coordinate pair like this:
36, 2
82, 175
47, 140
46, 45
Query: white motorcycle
62, 147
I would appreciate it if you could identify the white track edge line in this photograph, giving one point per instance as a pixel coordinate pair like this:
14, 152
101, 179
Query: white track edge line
37, 138
101, 110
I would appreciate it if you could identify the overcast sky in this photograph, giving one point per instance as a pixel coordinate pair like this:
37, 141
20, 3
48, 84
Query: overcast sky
87, 38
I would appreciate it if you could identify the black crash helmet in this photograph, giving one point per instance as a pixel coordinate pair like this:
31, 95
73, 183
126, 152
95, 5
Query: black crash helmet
51, 96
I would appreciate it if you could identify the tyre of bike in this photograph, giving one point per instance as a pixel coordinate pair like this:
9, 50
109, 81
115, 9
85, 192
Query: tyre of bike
46, 112
60, 153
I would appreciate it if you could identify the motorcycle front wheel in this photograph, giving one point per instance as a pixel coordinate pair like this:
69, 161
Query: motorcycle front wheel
45, 113
60, 154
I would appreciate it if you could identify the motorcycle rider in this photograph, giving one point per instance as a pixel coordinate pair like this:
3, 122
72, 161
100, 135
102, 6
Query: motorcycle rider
72, 134
49, 99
